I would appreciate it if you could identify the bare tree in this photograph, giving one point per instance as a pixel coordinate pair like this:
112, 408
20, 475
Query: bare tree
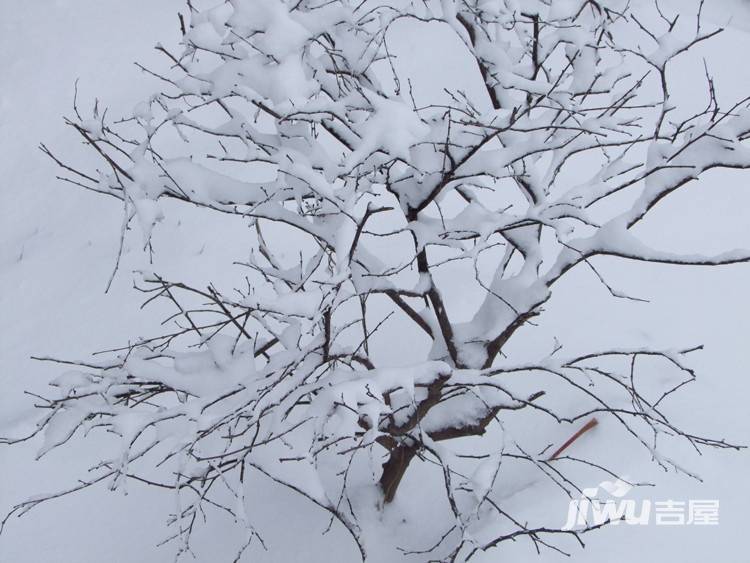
293, 115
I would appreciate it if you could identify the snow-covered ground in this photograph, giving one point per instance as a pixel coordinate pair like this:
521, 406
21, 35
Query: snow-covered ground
58, 247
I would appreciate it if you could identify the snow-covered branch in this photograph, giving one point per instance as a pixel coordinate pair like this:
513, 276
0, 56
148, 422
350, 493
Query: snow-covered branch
295, 117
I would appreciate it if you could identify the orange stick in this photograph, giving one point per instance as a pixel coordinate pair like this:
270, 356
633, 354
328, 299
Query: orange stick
586, 427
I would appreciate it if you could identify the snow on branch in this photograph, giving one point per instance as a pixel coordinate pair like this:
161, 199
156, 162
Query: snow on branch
294, 115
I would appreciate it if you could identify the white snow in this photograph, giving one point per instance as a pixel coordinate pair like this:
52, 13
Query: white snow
58, 245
